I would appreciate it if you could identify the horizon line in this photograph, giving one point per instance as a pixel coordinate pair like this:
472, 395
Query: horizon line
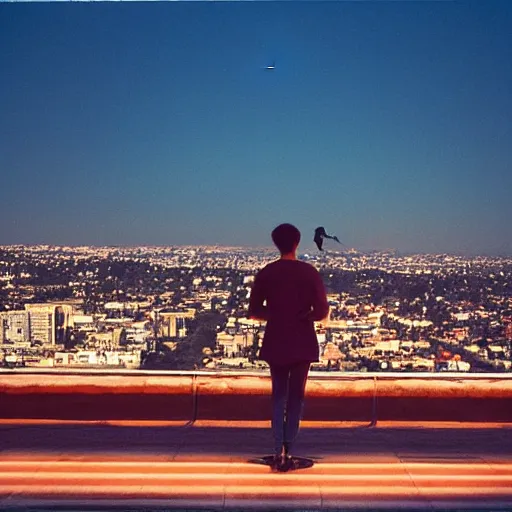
398, 252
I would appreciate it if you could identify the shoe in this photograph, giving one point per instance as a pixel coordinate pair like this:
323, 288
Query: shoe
286, 464
283, 461
276, 463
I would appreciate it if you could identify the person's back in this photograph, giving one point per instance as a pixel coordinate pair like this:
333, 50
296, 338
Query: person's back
295, 298
290, 296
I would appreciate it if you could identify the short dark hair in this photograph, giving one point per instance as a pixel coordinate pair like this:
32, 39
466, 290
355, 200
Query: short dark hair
286, 237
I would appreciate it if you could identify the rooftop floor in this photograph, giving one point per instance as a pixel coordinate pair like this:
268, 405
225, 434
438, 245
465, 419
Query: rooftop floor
46, 465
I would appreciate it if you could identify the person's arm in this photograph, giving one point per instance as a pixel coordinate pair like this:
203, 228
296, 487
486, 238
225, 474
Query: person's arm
319, 306
257, 311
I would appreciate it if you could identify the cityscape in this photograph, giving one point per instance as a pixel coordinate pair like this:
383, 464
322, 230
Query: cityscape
149, 150
386, 122
185, 308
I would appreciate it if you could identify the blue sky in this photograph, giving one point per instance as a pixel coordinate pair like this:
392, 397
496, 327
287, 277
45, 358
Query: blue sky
154, 123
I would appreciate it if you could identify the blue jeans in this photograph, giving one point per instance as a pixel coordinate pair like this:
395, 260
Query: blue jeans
288, 388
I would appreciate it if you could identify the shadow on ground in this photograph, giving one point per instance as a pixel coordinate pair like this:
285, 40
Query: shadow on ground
316, 443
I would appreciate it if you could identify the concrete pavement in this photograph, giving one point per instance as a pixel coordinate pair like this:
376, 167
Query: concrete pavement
207, 465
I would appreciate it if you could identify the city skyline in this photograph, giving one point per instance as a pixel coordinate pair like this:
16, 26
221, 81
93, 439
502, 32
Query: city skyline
305, 249
184, 308
158, 124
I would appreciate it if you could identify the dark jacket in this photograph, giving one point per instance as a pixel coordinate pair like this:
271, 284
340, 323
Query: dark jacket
295, 298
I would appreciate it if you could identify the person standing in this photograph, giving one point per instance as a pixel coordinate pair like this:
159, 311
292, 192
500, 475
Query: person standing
290, 296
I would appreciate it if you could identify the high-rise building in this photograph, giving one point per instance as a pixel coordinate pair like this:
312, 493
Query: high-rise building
14, 327
42, 323
49, 323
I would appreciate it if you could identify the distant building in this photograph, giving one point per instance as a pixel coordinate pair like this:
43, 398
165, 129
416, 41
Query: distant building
331, 353
84, 323
228, 344
118, 336
137, 332
174, 324
389, 346
100, 338
93, 358
49, 323
14, 327
42, 323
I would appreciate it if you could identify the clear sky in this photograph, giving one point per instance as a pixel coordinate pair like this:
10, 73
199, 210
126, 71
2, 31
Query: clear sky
389, 123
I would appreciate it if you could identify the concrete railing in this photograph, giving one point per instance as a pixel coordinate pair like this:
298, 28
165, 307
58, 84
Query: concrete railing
191, 396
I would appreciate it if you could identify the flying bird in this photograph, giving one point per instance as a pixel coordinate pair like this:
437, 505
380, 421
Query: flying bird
320, 234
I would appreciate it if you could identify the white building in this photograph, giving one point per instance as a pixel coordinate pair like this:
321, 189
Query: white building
49, 322
84, 323
14, 327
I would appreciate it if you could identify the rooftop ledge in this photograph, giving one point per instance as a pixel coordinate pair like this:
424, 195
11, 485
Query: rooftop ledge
106, 395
